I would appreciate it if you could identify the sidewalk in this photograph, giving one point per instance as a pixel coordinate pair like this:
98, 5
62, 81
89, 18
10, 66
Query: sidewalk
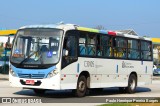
4, 76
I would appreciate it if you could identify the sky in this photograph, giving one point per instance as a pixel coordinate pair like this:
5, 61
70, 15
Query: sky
143, 16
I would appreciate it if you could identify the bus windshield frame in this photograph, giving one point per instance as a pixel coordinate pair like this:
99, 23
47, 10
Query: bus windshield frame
36, 47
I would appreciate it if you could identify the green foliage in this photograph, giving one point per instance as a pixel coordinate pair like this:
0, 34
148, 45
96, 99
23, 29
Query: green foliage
1, 50
4, 69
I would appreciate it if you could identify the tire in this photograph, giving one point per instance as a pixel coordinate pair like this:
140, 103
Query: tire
81, 86
132, 84
39, 91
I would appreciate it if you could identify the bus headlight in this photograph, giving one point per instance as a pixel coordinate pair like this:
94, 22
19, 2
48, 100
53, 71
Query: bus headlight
52, 73
12, 72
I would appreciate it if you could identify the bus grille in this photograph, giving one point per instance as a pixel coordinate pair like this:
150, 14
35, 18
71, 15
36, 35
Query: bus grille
32, 76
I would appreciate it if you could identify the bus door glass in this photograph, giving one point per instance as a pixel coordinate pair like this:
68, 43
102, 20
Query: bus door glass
69, 54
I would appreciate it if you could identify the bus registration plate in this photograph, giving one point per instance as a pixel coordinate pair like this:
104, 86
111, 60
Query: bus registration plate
31, 82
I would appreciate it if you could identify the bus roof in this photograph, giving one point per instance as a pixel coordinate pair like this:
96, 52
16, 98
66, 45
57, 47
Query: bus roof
113, 33
73, 26
58, 26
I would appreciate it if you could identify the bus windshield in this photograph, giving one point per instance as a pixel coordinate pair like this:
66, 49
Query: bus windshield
37, 46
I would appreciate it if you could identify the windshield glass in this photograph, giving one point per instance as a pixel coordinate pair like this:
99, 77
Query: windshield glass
37, 46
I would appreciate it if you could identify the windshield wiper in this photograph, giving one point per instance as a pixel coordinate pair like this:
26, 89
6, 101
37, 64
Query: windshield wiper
27, 58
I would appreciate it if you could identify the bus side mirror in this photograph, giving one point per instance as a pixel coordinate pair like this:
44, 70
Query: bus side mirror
65, 52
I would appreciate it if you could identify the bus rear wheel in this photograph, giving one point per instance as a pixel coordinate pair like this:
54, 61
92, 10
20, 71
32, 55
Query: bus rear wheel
81, 86
39, 91
132, 84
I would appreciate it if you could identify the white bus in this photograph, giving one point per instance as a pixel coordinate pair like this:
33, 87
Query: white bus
66, 56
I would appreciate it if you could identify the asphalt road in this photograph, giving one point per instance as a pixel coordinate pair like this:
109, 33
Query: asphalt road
152, 90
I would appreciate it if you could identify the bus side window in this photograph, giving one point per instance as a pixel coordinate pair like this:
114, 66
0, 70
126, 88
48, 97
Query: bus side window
133, 49
104, 46
82, 48
82, 44
120, 47
146, 50
91, 44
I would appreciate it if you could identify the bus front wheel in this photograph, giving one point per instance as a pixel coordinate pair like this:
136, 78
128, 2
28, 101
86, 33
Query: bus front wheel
81, 86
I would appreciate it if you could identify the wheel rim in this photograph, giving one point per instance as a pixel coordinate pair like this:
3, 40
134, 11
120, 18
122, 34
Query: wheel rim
132, 84
81, 86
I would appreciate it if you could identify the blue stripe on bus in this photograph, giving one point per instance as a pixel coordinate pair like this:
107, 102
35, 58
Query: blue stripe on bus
78, 68
141, 62
103, 32
32, 71
117, 69
146, 69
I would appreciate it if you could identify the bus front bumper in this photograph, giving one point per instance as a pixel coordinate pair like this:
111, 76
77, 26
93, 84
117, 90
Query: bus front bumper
51, 83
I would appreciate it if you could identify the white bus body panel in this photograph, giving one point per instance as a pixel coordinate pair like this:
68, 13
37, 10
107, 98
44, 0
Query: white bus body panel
107, 72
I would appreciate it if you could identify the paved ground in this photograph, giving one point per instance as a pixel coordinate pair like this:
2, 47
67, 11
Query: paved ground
152, 90
3, 77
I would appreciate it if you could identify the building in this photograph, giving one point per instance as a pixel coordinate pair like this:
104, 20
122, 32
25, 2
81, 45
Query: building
4, 34
156, 50
6, 38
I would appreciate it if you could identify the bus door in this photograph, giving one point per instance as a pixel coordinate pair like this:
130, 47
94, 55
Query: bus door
69, 60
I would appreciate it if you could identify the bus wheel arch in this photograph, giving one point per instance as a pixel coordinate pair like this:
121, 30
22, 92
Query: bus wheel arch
83, 83
134, 73
87, 76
